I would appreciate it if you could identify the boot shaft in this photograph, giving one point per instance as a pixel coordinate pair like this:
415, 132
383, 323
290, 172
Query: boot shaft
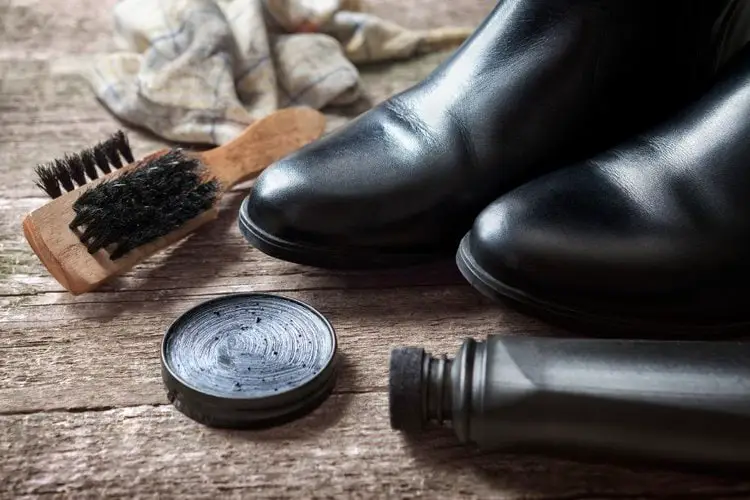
580, 76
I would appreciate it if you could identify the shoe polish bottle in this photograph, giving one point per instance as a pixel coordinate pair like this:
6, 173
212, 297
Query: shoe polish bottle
675, 401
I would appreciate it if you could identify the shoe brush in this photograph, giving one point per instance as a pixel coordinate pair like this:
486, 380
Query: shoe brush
109, 212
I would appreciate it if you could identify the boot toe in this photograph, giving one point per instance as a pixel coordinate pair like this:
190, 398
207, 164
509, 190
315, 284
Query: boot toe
577, 233
346, 196
281, 199
302, 200
514, 247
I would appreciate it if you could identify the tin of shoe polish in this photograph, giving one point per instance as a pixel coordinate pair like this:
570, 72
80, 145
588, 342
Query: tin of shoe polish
248, 360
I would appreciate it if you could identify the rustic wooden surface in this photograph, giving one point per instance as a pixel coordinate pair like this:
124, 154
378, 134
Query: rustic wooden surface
82, 407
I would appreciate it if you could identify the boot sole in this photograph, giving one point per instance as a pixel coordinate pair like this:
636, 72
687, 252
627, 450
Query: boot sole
629, 322
324, 257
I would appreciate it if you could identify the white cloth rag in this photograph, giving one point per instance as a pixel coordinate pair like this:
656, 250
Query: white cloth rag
201, 71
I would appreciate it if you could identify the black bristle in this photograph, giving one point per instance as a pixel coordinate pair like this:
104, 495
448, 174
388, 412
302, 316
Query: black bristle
89, 164
100, 158
63, 175
84, 166
110, 150
82, 219
123, 146
143, 204
76, 170
96, 242
47, 180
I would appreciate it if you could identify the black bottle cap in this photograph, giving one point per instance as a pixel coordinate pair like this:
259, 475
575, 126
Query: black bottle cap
248, 360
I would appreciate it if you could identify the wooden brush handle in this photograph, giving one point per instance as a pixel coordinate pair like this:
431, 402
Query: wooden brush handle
263, 143
69, 262
77, 270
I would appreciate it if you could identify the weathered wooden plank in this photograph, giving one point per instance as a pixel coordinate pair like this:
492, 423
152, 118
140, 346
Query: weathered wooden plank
50, 28
343, 449
64, 359
104, 351
425, 14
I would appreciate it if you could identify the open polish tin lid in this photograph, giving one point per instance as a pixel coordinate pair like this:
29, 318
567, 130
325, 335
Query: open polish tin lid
249, 360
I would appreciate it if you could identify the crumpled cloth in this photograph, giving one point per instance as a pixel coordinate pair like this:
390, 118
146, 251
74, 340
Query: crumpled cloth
201, 71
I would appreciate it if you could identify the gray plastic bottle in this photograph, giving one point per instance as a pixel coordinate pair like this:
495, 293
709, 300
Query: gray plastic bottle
680, 401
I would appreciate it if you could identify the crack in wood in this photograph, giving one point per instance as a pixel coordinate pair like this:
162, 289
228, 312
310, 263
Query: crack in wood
217, 294
78, 409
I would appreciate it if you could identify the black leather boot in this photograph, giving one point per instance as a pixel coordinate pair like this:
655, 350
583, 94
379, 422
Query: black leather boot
541, 83
652, 236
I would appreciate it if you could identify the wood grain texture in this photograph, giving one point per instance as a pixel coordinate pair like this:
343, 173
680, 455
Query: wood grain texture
105, 351
340, 451
83, 411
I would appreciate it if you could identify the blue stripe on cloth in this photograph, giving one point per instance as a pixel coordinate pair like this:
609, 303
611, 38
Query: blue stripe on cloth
252, 68
359, 30
173, 36
228, 69
293, 98
166, 21
109, 88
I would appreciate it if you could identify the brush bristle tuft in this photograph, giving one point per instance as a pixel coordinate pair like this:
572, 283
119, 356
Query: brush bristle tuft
143, 204
89, 164
63, 175
74, 166
123, 146
47, 180
78, 169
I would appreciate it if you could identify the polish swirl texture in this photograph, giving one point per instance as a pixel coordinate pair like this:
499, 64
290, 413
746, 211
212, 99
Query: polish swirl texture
249, 346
